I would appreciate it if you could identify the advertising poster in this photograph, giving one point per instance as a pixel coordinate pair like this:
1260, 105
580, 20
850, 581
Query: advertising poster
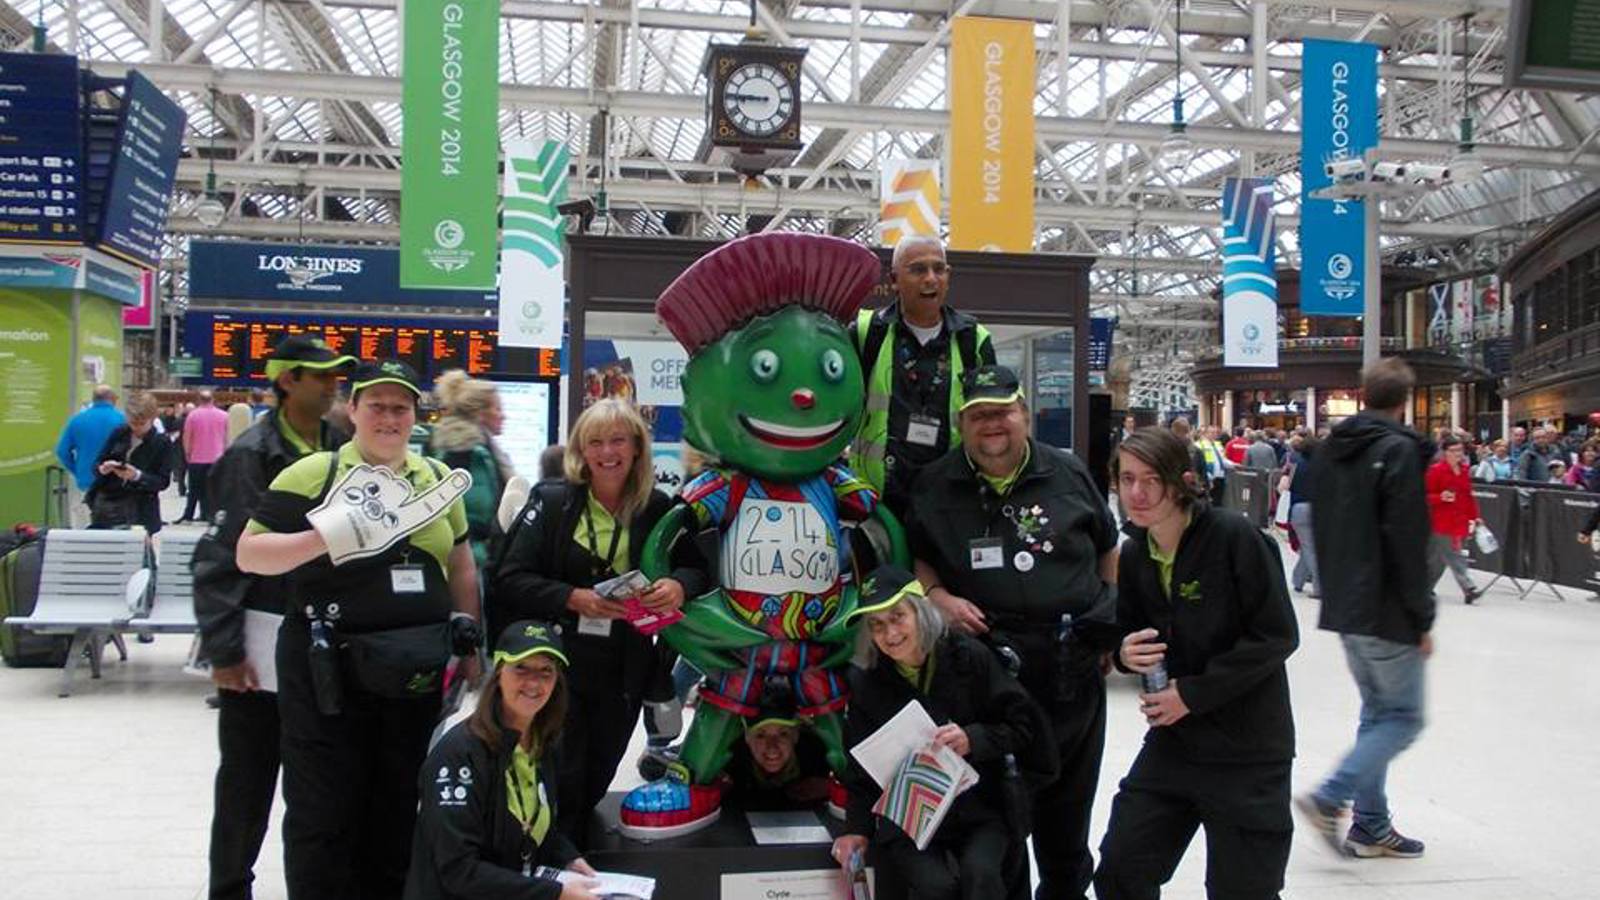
450, 95
35, 373
1339, 120
527, 428
533, 289
991, 134
99, 345
1249, 274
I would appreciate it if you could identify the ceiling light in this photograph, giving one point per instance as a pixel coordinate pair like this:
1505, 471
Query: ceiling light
210, 210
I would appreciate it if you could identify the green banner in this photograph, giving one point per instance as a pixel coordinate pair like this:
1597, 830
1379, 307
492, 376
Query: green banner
449, 181
35, 368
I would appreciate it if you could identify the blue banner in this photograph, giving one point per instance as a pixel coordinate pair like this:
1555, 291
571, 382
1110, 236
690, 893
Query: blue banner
1339, 120
1249, 274
1100, 331
41, 149
134, 217
308, 273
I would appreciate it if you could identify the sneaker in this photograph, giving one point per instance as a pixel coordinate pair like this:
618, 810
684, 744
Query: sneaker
1472, 596
669, 808
1361, 844
1326, 818
654, 762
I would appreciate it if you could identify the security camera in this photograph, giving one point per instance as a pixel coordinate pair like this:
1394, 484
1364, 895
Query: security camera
1388, 171
1352, 169
1428, 173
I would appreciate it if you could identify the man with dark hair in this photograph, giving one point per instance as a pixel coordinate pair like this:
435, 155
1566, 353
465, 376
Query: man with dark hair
1014, 543
1370, 515
305, 377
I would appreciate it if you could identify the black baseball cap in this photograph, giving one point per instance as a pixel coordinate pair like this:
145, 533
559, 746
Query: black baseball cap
303, 351
385, 371
989, 384
885, 586
527, 638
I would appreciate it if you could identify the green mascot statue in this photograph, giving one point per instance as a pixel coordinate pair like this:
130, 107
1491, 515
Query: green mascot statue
772, 395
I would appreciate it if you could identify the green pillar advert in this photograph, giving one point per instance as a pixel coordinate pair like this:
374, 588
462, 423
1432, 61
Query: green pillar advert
449, 182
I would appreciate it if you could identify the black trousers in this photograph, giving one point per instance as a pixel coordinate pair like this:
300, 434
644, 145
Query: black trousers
978, 863
349, 782
1061, 811
594, 738
1166, 798
247, 780
198, 495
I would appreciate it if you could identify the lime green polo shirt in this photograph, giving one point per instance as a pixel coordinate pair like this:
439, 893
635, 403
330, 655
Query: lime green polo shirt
1002, 486
605, 525
296, 442
1162, 561
307, 476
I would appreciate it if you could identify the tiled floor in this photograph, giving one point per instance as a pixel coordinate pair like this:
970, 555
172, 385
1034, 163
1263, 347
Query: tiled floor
107, 793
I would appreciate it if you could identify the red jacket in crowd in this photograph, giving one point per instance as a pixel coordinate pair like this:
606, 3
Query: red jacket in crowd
1454, 517
1235, 450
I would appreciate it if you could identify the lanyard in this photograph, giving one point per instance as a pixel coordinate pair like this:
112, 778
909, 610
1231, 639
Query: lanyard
525, 796
610, 559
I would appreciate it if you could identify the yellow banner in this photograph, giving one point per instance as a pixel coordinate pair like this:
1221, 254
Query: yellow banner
908, 201
991, 134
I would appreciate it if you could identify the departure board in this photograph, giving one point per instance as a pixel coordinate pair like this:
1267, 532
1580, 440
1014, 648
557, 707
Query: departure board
236, 346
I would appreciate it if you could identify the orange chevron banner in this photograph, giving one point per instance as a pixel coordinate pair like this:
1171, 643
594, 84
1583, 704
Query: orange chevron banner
909, 201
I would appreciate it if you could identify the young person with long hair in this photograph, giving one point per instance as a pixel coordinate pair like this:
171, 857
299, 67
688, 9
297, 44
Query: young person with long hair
487, 823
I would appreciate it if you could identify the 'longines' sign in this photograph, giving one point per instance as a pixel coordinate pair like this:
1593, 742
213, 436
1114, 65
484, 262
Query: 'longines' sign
310, 273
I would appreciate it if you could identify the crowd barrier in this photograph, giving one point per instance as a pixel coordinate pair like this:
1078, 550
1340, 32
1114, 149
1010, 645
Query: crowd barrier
1249, 491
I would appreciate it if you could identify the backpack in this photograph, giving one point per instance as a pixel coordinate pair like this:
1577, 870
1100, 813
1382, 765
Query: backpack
550, 494
21, 566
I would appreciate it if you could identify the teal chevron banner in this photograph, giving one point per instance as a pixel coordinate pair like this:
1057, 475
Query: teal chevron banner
532, 290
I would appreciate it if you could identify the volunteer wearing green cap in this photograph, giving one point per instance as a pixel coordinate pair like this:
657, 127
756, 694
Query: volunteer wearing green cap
781, 763
904, 653
304, 373
1014, 541
383, 592
487, 824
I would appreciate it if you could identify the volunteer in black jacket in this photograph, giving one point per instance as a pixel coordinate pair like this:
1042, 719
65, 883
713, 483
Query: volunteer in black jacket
905, 654
573, 535
1015, 544
134, 467
305, 377
486, 829
1200, 592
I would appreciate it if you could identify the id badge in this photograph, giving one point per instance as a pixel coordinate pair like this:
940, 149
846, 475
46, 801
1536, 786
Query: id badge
407, 579
987, 553
922, 430
594, 627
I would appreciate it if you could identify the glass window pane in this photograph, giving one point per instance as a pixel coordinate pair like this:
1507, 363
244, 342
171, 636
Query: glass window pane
1051, 396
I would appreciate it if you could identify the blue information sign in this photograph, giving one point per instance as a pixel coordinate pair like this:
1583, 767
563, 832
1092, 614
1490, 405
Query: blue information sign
1339, 120
1100, 331
307, 273
142, 172
41, 149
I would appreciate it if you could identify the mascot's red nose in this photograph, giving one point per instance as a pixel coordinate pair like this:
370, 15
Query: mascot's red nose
802, 398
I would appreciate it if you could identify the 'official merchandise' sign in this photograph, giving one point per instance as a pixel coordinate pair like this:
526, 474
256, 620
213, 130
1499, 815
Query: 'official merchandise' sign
1339, 120
1249, 276
451, 101
991, 134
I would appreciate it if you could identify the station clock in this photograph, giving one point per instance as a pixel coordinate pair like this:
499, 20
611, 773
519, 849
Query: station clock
753, 104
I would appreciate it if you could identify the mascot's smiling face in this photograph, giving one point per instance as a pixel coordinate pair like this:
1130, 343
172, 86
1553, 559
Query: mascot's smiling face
779, 398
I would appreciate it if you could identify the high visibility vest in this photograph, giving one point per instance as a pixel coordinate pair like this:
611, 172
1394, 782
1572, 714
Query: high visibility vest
869, 451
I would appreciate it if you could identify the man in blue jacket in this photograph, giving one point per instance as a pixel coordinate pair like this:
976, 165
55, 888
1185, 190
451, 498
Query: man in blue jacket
81, 443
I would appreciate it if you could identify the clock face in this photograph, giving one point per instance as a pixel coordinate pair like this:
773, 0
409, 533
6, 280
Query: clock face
758, 99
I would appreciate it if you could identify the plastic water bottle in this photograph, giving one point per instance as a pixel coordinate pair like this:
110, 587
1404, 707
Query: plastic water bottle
1155, 680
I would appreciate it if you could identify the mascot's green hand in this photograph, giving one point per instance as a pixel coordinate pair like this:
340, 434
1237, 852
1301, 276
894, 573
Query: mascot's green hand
709, 627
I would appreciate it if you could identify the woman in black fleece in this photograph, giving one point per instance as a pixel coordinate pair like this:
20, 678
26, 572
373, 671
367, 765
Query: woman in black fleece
1200, 592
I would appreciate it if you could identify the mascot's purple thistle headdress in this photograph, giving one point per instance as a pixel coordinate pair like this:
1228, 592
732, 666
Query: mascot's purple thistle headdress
762, 273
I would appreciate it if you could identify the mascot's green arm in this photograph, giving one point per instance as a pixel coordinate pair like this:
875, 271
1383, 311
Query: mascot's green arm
709, 625
841, 630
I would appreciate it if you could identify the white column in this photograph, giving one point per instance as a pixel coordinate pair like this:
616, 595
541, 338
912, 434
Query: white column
1311, 409
1505, 419
1456, 395
1411, 407
1227, 411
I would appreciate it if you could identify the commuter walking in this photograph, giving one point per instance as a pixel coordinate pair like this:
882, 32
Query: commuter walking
1454, 514
205, 436
1372, 530
1302, 491
79, 448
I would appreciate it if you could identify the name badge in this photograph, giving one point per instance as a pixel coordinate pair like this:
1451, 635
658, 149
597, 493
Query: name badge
407, 580
986, 553
594, 627
922, 430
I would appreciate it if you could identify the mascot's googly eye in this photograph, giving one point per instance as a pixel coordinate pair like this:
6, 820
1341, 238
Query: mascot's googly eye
373, 489
352, 495
833, 365
764, 365
373, 510
390, 519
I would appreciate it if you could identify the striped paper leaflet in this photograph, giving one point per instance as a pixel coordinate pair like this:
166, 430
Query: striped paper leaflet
923, 790
532, 289
909, 201
1249, 279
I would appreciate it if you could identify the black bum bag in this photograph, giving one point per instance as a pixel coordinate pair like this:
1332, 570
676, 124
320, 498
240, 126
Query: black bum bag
400, 663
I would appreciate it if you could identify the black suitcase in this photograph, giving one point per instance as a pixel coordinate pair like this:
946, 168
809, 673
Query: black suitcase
19, 591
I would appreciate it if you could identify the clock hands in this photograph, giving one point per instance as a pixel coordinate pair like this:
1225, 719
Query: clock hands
732, 96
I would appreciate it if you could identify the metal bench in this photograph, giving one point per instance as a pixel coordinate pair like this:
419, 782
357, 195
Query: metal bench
172, 606
83, 592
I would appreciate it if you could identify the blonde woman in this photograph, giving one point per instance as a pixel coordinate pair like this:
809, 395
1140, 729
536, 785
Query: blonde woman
574, 534
464, 439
